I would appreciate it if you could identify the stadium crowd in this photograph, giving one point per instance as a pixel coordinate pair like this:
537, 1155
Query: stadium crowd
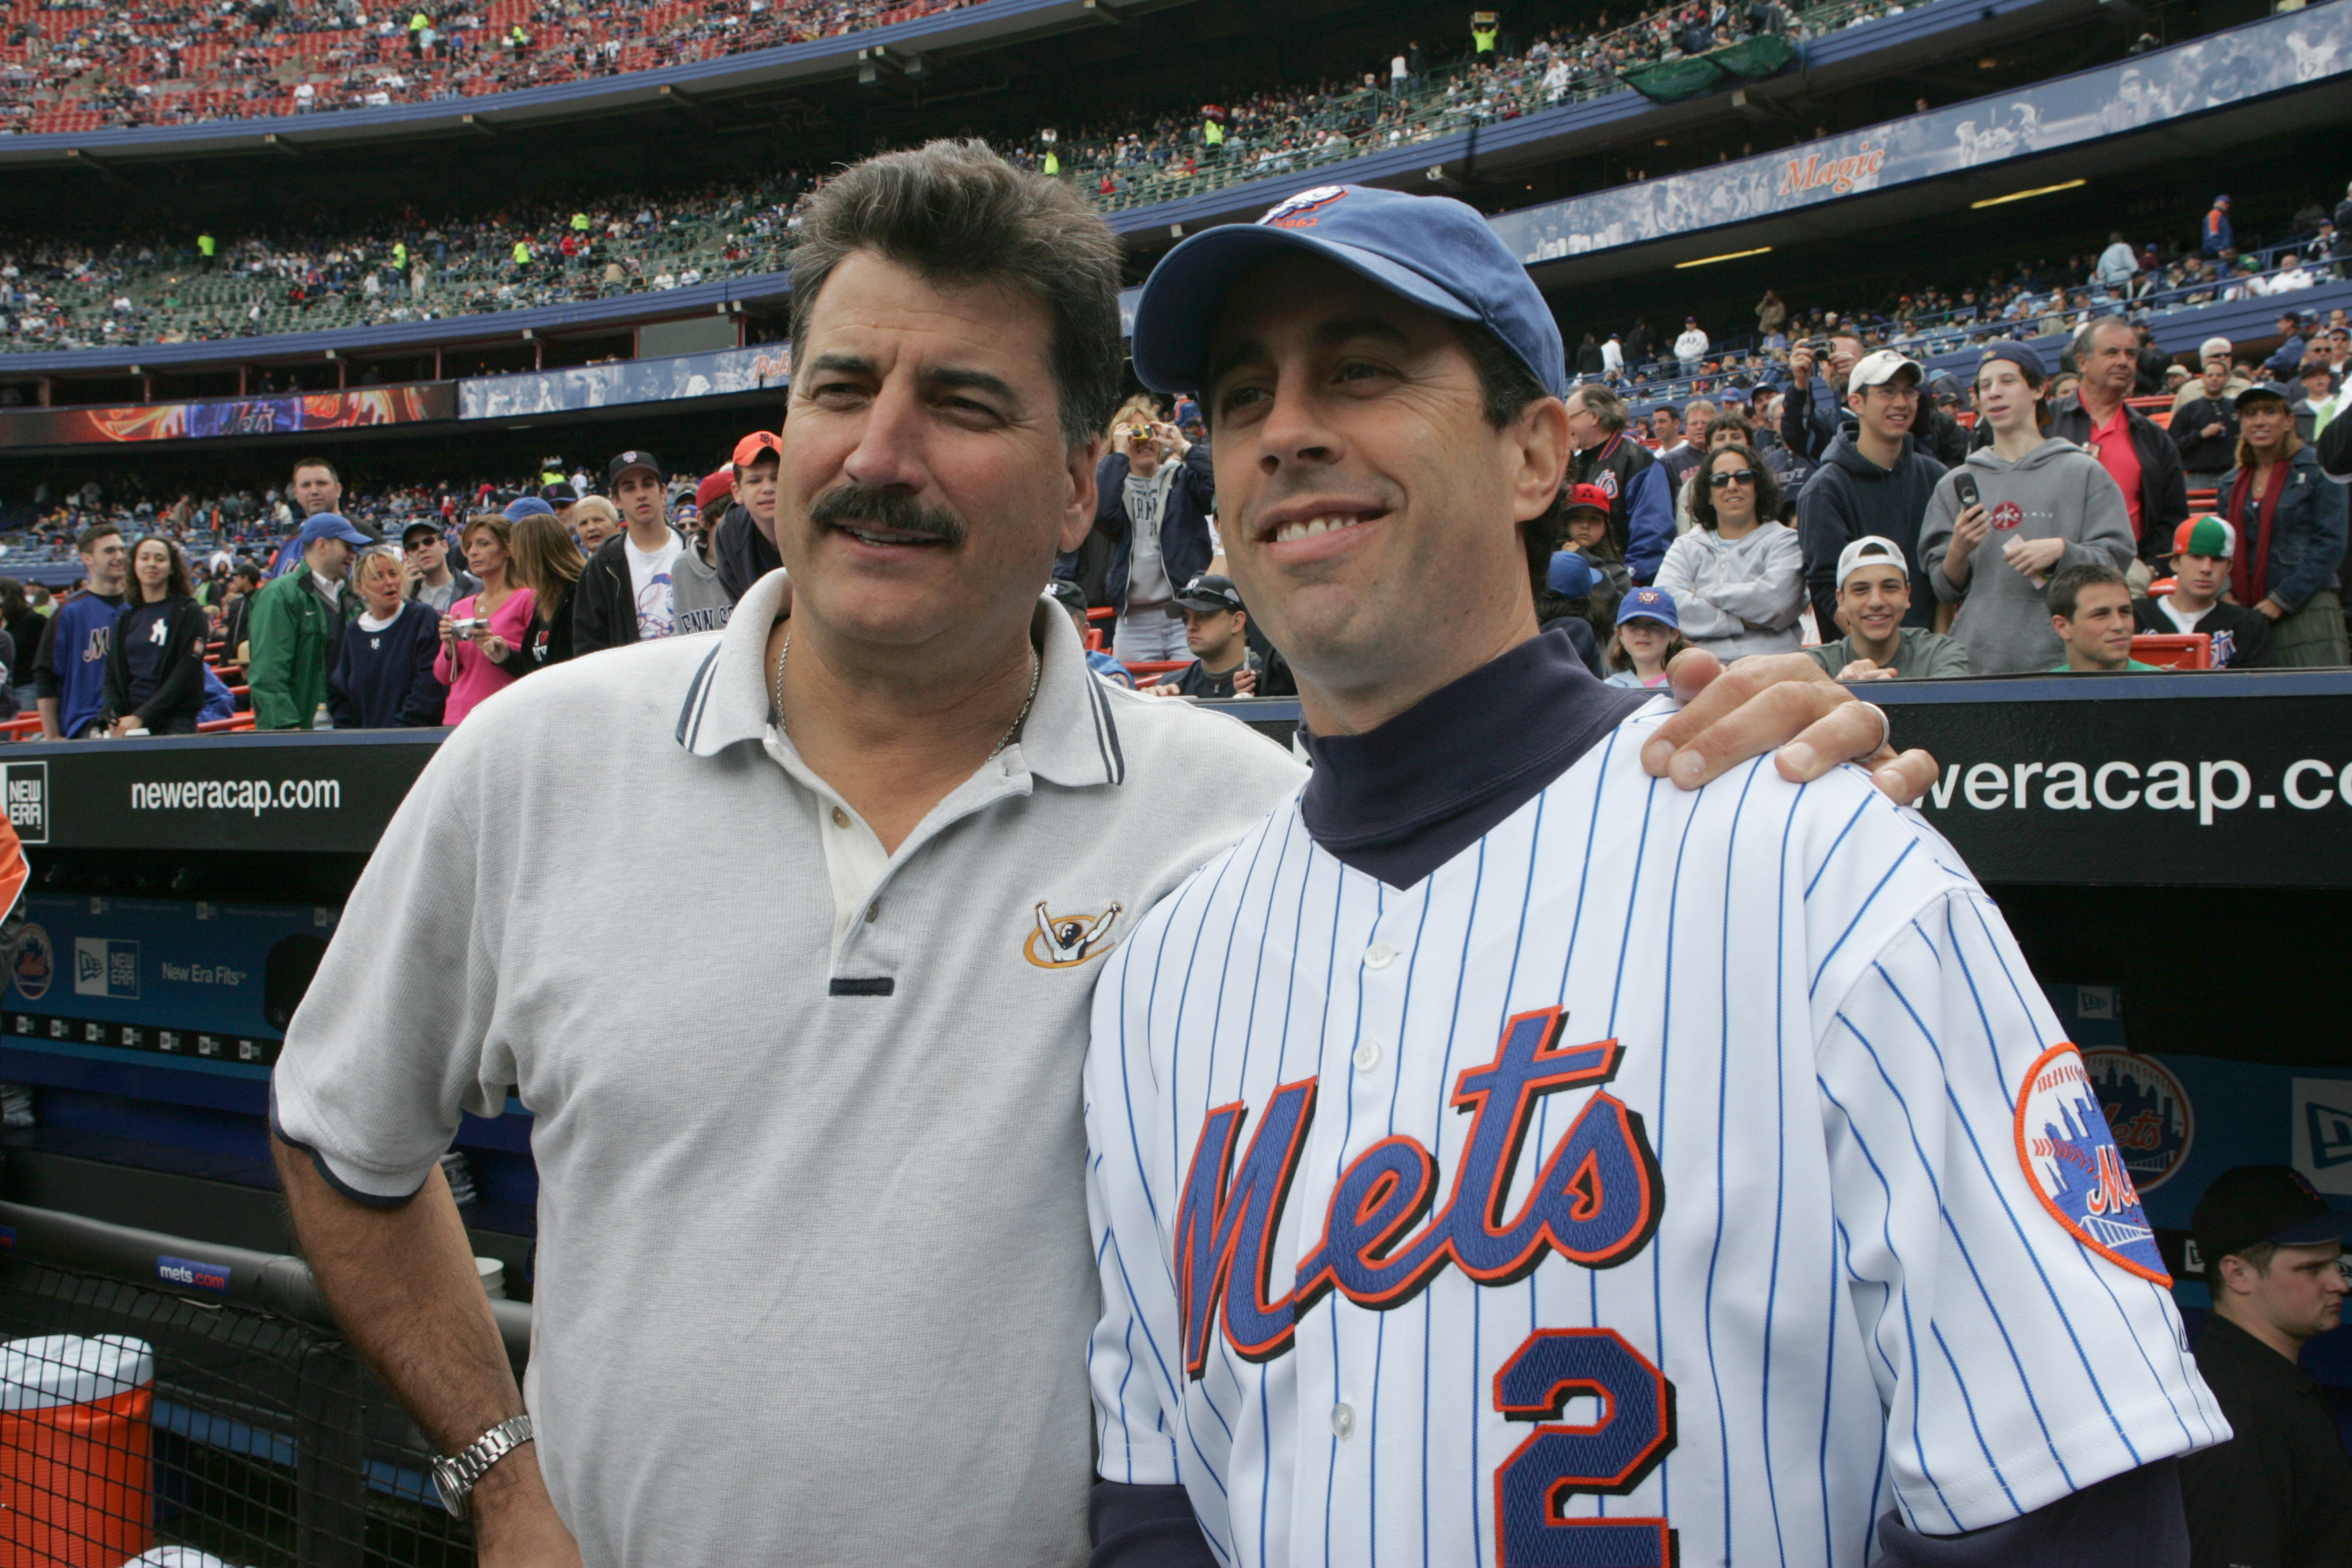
1852, 516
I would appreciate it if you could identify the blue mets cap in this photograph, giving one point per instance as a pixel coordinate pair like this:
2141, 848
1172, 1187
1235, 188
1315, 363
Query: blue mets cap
1650, 604
1570, 574
1432, 250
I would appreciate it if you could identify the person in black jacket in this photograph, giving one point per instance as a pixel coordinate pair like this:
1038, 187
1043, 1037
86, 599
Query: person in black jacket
2107, 350
1153, 495
24, 624
383, 677
243, 582
2205, 428
624, 591
547, 562
155, 663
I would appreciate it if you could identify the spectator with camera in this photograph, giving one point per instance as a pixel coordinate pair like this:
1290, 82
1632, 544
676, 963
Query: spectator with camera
1874, 479
1814, 408
2290, 522
627, 591
2204, 550
69, 669
1739, 578
483, 636
1873, 597
1154, 493
296, 629
155, 660
2018, 511
383, 677
2134, 451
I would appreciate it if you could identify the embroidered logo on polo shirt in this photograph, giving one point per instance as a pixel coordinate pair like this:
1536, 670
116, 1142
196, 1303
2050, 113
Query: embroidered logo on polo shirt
1064, 941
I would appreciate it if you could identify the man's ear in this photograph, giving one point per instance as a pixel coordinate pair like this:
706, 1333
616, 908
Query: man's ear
1078, 512
1539, 438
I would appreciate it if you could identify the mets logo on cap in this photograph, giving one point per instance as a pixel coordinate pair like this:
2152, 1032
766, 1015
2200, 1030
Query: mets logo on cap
1293, 212
2074, 1166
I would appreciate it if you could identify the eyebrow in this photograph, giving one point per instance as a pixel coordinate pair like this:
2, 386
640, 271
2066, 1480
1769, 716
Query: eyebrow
1326, 334
943, 377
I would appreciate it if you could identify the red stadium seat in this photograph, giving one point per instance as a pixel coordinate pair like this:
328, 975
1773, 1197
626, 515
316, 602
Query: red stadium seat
2174, 650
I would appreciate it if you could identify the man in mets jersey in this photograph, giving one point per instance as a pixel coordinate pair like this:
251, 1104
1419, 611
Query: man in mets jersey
1499, 1157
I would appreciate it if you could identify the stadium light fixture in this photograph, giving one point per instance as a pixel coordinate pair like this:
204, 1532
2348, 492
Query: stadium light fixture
2022, 196
1727, 256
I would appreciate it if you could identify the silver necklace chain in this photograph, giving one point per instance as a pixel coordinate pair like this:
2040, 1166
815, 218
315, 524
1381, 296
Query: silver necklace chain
1036, 674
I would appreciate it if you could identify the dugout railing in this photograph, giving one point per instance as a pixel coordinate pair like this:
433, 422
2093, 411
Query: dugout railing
259, 1439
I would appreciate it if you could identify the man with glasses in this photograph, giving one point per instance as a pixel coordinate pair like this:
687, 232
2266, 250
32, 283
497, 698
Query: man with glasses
426, 574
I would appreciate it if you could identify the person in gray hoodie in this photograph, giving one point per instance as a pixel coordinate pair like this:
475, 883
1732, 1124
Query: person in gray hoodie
1739, 577
2016, 511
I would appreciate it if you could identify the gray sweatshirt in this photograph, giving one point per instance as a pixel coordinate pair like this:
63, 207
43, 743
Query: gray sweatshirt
2058, 491
1738, 596
698, 598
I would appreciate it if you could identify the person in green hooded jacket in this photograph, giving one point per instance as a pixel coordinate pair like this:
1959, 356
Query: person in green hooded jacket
296, 625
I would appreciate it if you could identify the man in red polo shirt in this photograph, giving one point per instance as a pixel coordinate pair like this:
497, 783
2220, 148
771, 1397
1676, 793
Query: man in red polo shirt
2140, 458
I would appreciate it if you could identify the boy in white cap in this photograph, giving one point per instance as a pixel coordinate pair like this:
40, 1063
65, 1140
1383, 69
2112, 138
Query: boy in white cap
2203, 548
1874, 595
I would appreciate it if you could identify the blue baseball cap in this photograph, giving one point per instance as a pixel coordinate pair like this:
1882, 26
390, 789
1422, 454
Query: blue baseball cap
1432, 250
528, 505
1571, 574
2023, 355
329, 525
1650, 604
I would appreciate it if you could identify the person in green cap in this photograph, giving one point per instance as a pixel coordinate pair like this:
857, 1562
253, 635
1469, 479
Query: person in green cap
2204, 550
2091, 611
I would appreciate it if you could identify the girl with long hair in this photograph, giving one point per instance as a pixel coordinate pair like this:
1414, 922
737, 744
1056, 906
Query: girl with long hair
482, 635
155, 663
547, 562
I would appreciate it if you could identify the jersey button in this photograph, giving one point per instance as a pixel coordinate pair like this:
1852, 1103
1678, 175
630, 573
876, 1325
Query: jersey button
1380, 956
840, 818
1343, 1419
1367, 1055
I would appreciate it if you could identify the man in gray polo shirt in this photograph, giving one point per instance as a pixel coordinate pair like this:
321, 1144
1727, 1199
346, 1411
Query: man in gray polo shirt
813, 1282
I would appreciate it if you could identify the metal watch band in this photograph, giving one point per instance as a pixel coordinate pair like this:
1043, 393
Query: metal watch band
455, 1474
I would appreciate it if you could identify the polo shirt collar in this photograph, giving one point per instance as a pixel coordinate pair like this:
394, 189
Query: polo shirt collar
1071, 736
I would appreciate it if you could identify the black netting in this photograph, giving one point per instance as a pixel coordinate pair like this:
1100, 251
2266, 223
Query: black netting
234, 1438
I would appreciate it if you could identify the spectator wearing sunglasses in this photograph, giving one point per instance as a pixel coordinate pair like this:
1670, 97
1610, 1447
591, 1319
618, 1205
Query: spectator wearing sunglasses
1739, 578
426, 572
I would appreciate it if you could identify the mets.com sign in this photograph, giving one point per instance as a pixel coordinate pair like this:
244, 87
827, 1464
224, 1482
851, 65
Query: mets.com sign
2294, 49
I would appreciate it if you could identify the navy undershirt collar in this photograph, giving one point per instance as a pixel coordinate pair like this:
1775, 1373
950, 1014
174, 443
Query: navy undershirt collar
1398, 801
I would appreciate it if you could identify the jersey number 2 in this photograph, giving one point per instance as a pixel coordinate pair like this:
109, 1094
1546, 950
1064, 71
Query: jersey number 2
1634, 1430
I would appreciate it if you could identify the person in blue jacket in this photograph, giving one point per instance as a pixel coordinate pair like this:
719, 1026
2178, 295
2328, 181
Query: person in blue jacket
70, 671
383, 677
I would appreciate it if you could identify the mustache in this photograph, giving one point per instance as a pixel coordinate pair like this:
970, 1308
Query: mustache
853, 504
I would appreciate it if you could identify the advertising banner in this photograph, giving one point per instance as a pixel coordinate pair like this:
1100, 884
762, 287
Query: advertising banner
2291, 50
715, 374
292, 414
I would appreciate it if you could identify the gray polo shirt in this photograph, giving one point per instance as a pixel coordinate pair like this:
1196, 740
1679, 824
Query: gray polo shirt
814, 1283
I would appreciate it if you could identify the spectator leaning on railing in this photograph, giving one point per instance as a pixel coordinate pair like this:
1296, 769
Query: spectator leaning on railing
2290, 522
70, 671
296, 626
155, 663
2041, 503
384, 678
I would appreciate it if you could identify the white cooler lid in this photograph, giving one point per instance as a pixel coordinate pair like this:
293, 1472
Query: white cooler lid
67, 1369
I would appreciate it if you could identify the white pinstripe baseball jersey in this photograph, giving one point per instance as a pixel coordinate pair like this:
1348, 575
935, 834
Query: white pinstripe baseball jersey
1668, 1177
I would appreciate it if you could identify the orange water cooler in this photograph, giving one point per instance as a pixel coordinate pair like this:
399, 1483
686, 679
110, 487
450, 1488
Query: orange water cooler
75, 1446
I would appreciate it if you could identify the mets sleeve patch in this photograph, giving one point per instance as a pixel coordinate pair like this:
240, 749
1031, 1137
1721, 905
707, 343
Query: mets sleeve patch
2069, 1158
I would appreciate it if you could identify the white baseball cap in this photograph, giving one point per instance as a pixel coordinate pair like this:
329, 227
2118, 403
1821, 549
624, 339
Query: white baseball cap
1883, 366
1871, 550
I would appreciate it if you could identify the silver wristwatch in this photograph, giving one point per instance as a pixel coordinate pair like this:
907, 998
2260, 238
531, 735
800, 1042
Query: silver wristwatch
454, 1475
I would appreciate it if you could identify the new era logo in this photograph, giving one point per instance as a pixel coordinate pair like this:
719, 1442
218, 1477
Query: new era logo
2329, 1128
2321, 1134
106, 968
27, 785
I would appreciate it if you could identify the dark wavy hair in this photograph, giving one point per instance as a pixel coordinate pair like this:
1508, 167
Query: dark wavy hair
1767, 490
178, 585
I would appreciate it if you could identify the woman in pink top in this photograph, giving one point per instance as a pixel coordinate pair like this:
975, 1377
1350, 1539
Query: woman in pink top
482, 636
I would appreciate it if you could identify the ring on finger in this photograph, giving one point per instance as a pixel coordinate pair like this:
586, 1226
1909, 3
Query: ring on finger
1885, 728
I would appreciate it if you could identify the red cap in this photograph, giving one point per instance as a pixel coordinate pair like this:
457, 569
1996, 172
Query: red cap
748, 450
716, 487
1588, 495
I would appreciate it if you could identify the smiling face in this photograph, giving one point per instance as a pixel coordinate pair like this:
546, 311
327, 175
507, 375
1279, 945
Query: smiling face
1875, 598
2264, 423
926, 482
153, 566
1371, 512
